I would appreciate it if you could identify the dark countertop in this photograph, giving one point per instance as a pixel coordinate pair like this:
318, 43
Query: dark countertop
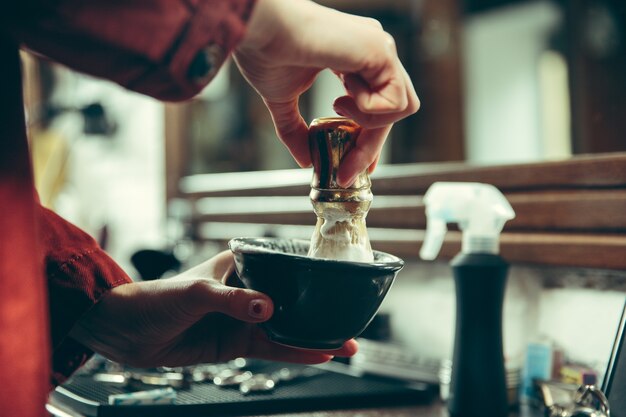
376, 397
433, 410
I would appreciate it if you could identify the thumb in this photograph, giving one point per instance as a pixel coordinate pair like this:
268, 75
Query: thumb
208, 296
363, 156
291, 129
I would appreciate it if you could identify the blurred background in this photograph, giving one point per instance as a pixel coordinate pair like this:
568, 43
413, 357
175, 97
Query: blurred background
500, 81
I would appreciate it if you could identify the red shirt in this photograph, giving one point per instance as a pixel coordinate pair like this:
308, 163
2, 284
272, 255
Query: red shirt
50, 271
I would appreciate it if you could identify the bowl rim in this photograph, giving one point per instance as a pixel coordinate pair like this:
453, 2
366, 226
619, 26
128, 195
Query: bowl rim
237, 246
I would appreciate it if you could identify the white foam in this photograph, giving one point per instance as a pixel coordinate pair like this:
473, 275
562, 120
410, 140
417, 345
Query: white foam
341, 236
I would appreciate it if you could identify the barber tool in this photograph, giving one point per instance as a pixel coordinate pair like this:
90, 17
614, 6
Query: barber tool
267, 382
580, 400
160, 379
179, 378
161, 396
340, 231
231, 377
208, 371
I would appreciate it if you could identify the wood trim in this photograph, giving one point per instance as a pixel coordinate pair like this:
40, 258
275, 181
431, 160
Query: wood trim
571, 210
584, 172
557, 249
584, 250
569, 213
286, 182
579, 210
176, 118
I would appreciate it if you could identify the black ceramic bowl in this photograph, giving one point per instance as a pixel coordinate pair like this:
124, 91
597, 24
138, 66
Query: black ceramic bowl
318, 303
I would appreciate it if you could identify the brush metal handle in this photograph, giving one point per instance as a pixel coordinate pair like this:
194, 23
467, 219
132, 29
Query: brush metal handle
330, 140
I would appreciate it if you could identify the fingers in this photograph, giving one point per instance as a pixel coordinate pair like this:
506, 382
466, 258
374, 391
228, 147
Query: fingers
376, 109
369, 66
379, 86
373, 165
364, 154
201, 290
378, 90
291, 129
251, 342
389, 99
218, 339
224, 267
377, 126
348, 105
383, 86
263, 348
365, 20
209, 296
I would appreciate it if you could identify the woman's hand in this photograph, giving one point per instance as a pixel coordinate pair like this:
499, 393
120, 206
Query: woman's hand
188, 319
289, 42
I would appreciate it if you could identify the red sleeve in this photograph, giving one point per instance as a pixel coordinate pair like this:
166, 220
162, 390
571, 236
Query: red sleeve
78, 273
168, 49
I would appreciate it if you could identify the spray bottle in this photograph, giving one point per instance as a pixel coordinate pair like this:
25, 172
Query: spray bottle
478, 384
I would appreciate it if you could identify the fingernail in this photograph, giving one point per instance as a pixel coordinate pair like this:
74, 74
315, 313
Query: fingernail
340, 111
257, 309
345, 184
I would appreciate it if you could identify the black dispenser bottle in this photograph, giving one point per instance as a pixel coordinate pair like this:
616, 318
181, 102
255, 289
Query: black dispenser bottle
478, 384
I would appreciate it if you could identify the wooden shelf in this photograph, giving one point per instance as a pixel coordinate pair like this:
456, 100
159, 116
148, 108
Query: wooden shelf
568, 213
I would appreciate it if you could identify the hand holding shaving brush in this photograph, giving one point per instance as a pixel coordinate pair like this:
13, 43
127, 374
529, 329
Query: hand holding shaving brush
324, 292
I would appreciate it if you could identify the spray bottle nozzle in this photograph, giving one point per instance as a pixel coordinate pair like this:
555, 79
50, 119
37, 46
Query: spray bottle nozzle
479, 209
